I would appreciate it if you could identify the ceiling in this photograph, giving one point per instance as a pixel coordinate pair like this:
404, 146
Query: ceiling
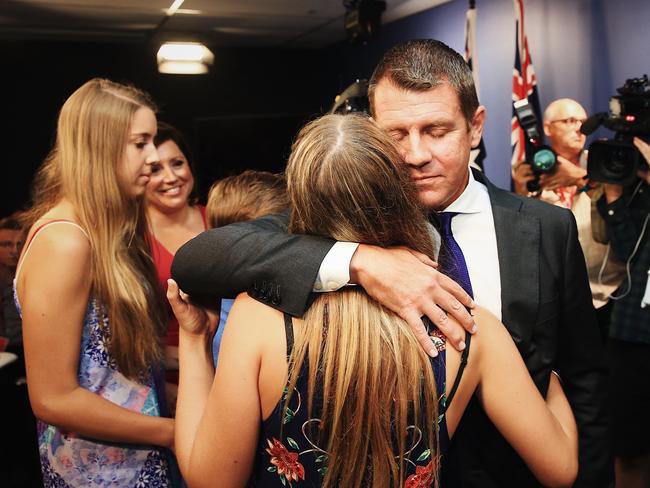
270, 23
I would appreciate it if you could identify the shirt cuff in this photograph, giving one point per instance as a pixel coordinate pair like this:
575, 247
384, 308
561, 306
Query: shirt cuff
334, 271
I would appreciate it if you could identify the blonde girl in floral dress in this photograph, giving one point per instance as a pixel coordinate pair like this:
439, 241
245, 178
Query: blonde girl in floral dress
87, 290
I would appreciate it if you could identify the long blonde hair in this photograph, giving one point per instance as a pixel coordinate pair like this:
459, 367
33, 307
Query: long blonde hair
92, 133
345, 182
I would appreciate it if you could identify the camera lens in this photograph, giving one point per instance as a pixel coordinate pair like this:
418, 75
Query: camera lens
617, 165
543, 160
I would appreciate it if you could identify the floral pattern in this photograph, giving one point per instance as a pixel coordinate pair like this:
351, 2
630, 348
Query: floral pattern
423, 477
286, 462
288, 454
68, 460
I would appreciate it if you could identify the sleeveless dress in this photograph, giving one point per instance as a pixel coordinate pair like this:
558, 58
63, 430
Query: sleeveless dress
288, 454
70, 460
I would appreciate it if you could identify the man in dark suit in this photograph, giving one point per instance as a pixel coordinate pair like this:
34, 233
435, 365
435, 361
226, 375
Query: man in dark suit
522, 256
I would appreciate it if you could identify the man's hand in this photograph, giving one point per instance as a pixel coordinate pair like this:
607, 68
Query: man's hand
521, 175
408, 283
566, 174
194, 320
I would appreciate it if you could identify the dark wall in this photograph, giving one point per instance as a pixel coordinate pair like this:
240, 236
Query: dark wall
243, 114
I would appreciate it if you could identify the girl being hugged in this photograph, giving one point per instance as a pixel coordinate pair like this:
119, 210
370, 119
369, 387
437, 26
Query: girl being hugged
86, 287
345, 396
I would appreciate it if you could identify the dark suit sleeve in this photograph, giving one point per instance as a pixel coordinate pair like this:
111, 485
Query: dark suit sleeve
258, 257
580, 363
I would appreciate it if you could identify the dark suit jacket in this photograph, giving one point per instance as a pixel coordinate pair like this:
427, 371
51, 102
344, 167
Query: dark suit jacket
258, 257
546, 306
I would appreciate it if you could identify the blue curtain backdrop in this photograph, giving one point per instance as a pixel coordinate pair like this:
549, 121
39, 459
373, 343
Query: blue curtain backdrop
581, 49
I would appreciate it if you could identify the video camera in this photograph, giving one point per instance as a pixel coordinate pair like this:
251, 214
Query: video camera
539, 156
617, 161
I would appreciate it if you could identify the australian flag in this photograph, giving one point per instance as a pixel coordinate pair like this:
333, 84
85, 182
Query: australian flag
477, 155
524, 84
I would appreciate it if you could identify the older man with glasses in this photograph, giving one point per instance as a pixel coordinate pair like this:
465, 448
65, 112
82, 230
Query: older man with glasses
562, 121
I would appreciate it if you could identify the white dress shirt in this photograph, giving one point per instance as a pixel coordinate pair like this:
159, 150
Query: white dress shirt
473, 229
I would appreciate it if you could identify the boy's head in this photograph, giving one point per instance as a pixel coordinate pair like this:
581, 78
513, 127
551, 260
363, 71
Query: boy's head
246, 196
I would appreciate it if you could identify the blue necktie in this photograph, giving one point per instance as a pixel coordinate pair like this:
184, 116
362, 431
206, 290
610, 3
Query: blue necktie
451, 256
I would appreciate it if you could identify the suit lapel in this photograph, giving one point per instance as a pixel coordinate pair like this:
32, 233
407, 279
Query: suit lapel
518, 245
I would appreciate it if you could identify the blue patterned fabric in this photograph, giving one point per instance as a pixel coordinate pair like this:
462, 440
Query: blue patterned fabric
69, 460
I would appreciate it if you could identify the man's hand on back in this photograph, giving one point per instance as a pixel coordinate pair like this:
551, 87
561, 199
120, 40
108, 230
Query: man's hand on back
408, 283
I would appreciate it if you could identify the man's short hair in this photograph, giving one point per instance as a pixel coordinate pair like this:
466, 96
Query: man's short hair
422, 64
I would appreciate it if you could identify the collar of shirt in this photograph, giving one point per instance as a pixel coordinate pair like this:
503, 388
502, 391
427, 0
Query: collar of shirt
471, 200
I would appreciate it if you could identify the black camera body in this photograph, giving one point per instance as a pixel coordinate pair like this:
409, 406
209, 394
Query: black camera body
617, 160
540, 157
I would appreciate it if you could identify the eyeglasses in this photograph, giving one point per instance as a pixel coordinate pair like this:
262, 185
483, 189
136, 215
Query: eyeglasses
570, 122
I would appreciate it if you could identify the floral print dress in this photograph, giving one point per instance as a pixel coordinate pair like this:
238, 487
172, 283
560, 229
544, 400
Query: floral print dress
70, 460
288, 454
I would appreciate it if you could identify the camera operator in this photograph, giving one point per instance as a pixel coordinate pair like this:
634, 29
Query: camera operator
626, 211
567, 186
562, 121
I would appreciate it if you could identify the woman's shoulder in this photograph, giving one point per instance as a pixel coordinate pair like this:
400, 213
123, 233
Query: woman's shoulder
484, 319
57, 255
62, 236
482, 316
58, 236
490, 334
256, 327
254, 313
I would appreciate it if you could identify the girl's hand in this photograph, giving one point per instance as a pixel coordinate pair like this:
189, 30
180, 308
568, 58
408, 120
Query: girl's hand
194, 320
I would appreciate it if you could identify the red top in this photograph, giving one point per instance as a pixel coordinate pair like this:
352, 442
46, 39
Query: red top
162, 259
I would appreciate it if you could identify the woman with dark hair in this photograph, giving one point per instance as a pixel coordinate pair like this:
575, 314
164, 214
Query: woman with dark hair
174, 218
345, 396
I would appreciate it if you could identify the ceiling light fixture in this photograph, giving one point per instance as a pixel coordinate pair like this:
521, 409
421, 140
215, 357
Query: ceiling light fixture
184, 58
183, 11
174, 7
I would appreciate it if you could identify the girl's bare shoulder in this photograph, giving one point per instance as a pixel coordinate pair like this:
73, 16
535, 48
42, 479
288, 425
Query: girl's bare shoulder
254, 314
